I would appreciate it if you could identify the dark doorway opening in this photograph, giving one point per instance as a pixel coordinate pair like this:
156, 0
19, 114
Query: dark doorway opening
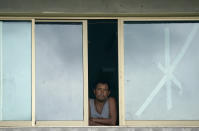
103, 56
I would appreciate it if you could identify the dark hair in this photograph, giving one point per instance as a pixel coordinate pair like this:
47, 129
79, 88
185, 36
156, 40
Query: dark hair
102, 82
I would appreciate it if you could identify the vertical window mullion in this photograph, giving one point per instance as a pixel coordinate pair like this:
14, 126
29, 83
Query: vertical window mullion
85, 71
121, 72
1, 71
33, 72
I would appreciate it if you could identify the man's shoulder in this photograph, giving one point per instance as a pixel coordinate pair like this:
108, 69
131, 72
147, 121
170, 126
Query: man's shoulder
91, 99
111, 99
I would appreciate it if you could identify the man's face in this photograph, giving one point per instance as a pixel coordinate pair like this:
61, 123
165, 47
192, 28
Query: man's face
101, 92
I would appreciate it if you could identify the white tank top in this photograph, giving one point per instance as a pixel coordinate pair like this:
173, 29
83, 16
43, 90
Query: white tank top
95, 114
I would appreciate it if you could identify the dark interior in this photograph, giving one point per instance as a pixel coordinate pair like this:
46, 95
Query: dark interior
103, 55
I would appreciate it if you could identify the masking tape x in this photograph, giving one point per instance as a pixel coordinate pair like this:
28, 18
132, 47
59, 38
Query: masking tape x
168, 71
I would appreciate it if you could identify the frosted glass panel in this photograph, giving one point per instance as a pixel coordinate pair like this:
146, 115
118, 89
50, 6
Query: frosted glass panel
161, 63
59, 72
15, 88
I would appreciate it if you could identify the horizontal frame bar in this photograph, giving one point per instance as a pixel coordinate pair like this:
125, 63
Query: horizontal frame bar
136, 18
60, 123
161, 123
59, 20
15, 123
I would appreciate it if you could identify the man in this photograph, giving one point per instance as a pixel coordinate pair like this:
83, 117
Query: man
102, 108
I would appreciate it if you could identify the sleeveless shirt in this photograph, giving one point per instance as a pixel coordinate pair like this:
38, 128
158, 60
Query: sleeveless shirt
95, 114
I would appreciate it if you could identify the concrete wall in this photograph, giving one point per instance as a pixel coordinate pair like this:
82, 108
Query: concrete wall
100, 7
98, 129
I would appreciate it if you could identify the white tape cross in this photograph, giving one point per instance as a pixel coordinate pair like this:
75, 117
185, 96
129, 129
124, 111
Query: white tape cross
168, 71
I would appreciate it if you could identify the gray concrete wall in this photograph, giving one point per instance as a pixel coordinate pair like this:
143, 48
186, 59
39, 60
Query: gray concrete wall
99, 129
100, 7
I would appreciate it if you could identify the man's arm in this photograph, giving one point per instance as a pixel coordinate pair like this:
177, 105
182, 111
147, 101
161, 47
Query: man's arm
112, 114
92, 123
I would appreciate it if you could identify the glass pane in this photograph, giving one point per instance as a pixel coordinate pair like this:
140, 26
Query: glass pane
161, 71
15, 91
59, 71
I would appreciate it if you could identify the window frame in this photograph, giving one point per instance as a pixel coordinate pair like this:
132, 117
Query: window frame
122, 121
144, 123
33, 122
18, 122
85, 79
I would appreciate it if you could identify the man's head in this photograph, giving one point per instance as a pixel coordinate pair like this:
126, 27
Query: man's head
101, 91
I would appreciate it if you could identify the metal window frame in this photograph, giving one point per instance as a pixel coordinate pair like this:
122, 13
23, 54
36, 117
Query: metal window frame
33, 122
10, 122
145, 123
122, 121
